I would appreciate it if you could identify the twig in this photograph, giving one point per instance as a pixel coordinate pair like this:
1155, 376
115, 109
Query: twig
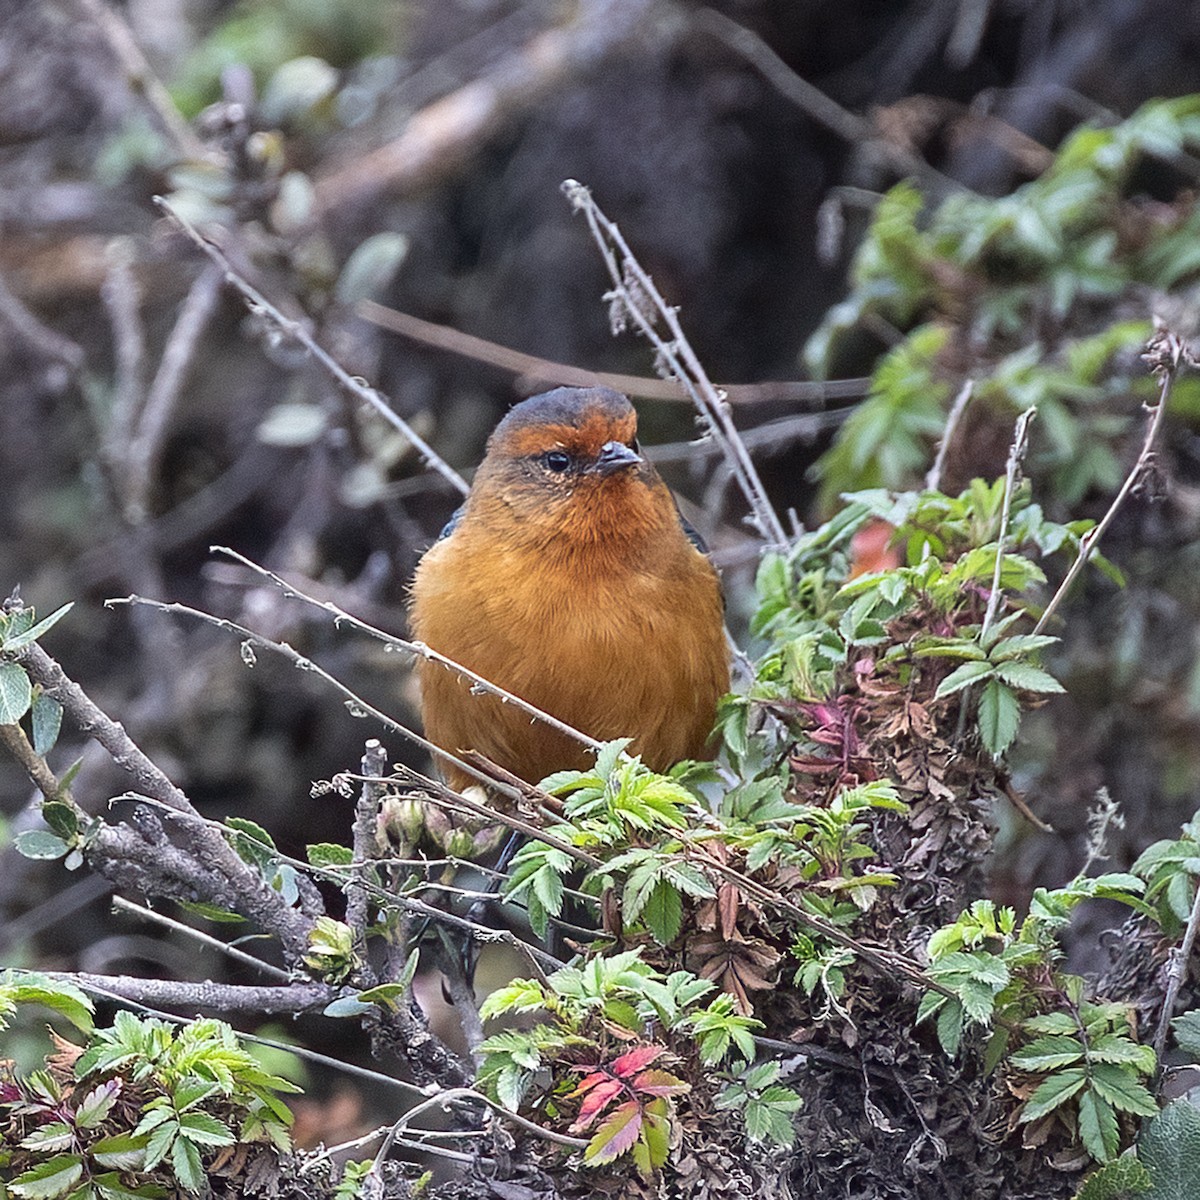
462, 996
419, 649
1018, 802
354, 702
443, 135
446, 337
258, 303
89, 984
1016, 455
1165, 352
635, 298
850, 127
366, 810
148, 914
933, 481
141, 79
293, 999
454, 1095
144, 449
258, 901
1180, 959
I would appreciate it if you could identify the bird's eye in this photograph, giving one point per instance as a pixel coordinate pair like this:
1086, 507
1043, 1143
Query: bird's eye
556, 461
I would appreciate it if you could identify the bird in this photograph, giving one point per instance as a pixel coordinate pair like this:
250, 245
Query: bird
569, 578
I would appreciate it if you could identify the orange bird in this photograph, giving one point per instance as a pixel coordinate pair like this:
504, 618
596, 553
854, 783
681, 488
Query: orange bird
569, 578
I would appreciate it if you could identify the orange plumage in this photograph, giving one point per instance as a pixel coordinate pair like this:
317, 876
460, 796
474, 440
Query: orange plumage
569, 579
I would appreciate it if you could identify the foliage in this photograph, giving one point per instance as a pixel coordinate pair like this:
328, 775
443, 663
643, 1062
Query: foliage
1011, 285
135, 1110
1063, 1052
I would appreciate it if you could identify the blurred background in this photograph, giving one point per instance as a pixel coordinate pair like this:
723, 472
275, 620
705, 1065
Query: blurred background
411, 154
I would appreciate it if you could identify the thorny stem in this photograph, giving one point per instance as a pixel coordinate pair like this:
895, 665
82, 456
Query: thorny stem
1016, 454
628, 276
1173, 352
419, 649
296, 330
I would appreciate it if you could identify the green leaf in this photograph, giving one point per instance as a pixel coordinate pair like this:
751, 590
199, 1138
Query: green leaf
1169, 1147
122, 1151
54, 1177
1028, 677
1098, 1128
1047, 1054
40, 843
1053, 1092
185, 1162
16, 693
31, 987
663, 913
1187, 1032
964, 676
47, 721
999, 715
21, 640
204, 1130
1117, 1180
329, 854
1120, 1087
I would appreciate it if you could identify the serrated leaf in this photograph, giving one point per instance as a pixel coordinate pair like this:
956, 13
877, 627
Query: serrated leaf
961, 677
1098, 1129
121, 1151
1187, 1032
16, 693
1053, 1092
185, 1162
615, 1136
663, 913
329, 854
1047, 1053
1120, 1087
205, 1130
1028, 678
54, 1177
999, 716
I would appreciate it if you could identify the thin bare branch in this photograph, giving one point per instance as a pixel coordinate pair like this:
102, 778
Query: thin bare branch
544, 370
366, 811
296, 330
933, 481
1016, 455
1180, 960
293, 999
205, 939
848, 126
635, 298
418, 649
1165, 353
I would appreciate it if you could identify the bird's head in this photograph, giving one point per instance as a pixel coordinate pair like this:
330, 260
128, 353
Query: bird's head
570, 458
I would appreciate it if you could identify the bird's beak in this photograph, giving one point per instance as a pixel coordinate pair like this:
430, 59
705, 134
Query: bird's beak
614, 456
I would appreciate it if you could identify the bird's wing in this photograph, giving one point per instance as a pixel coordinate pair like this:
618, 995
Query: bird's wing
693, 534
455, 517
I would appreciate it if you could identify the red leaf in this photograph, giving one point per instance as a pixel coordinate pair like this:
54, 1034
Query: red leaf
596, 1102
660, 1083
630, 1063
615, 1136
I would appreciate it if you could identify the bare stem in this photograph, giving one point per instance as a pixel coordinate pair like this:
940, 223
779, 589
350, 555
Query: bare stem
1166, 352
1180, 959
933, 481
1016, 454
419, 649
641, 302
296, 330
